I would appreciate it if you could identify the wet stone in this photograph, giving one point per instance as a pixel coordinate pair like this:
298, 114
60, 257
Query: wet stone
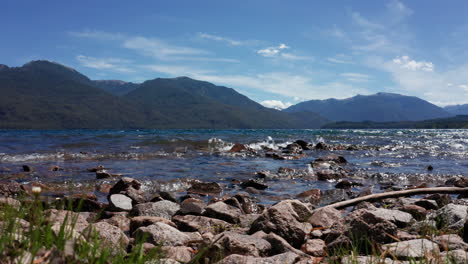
254, 184
204, 188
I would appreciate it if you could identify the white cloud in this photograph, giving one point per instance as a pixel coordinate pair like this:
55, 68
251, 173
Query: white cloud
95, 34
294, 57
160, 49
175, 70
363, 22
276, 104
398, 11
114, 64
225, 39
340, 59
356, 77
272, 51
463, 86
407, 63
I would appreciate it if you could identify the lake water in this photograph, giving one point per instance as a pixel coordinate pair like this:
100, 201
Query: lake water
170, 159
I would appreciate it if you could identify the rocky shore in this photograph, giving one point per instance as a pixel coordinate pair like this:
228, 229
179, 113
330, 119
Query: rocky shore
200, 225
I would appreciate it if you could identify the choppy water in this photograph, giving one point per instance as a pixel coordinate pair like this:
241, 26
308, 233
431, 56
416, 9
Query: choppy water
168, 159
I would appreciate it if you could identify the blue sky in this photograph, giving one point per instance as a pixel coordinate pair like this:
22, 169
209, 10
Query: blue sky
275, 52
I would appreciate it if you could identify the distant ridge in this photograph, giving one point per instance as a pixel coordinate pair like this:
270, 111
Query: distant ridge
457, 109
380, 107
48, 95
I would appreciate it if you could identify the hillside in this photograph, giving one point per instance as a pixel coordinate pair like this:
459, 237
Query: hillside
380, 107
47, 95
457, 122
457, 109
187, 103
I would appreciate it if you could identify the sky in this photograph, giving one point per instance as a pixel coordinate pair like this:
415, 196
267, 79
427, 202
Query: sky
275, 52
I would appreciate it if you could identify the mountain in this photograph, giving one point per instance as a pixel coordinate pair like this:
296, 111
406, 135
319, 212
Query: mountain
115, 87
456, 122
457, 109
186, 103
380, 107
48, 95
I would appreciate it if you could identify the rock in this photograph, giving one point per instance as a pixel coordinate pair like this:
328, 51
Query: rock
63, 217
266, 175
418, 212
417, 248
400, 218
180, 253
325, 217
168, 196
120, 202
221, 210
121, 221
103, 174
27, 168
9, 202
312, 196
278, 244
450, 242
284, 219
457, 182
254, 184
202, 224
451, 216
248, 205
285, 258
403, 235
166, 235
139, 221
465, 231
314, 247
441, 199
293, 148
192, 206
430, 168
164, 209
344, 184
454, 256
252, 190
333, 196
369, 260
335, 158
304, 144
238, 148
98, 168
205, 188
328, 174
10, 188
233, 243
321, 145
110, 236
129, 187
365, 224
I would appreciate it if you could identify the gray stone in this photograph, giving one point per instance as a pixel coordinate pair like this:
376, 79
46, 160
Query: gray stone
314, 247
325, 217
192, 206
202, 224
164, 209
400, 218
454, 256
417, 248
450, 242
451, 216
7, 201
120, 202
166, 235
120, 221
223, 211
111, 236
180, 253
285, 258
140, 221
365, 224
233, 243
63, 217
286, 220
369, 260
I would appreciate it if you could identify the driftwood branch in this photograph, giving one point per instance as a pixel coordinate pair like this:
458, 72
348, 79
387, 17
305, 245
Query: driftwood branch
380, 196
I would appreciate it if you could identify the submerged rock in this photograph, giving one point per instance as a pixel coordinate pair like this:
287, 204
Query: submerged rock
254, 184
332, 158
205, 188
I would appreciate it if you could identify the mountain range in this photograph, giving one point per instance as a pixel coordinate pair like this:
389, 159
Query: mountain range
380, 107
47, 95
457, 109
